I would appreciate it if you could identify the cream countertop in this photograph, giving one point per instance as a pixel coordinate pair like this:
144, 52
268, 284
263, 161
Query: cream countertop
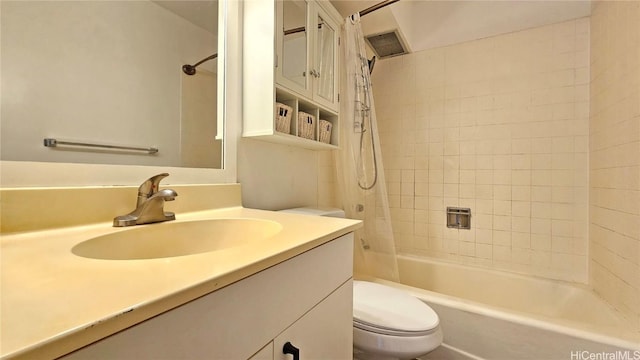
54, 302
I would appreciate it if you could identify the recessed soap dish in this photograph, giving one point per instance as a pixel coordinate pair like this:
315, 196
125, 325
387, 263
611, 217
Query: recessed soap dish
458, 218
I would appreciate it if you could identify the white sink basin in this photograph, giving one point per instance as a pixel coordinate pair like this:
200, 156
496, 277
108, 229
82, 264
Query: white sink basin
171, 239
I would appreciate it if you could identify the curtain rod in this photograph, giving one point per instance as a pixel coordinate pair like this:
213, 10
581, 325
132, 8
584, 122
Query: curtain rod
299, 29
377, 7
191, 69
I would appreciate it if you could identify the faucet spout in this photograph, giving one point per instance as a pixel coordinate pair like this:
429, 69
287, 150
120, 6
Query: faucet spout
165, 194
150, 205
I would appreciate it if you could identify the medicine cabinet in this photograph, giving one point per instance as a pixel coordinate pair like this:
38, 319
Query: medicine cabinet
291, 67
306, 51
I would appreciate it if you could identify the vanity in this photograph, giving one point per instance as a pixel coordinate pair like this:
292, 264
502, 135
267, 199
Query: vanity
291, 283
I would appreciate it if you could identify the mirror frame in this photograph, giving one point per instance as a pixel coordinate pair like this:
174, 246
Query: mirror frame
51, 174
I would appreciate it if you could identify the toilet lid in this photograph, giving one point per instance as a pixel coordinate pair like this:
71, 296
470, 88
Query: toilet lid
386, 308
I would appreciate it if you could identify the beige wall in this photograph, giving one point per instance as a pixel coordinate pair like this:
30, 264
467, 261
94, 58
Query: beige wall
614, 229
275, 176
69, 72
499, 125
198, 121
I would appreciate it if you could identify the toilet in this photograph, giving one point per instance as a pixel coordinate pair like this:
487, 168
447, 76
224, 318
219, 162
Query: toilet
388, 323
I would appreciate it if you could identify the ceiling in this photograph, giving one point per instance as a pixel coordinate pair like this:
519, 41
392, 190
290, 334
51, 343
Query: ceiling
203, 13
426, 24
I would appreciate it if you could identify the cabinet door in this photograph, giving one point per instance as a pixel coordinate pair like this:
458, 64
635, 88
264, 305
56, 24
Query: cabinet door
325, 332
325, 59
237, 320
292, 45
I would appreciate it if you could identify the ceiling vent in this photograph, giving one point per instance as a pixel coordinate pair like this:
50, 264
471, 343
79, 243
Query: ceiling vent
387, 44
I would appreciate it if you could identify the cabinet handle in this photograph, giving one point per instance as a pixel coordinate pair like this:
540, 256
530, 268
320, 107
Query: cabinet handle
290, 349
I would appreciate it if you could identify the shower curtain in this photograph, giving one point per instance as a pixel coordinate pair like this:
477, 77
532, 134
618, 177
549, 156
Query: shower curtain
359, 162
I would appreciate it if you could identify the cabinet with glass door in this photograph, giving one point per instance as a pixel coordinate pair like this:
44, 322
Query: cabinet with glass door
305, 85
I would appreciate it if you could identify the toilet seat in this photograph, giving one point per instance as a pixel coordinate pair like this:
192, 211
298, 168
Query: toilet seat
385, 310
383, 331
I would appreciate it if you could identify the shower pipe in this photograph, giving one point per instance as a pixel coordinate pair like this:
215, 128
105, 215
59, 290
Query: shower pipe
371, 62
191, 69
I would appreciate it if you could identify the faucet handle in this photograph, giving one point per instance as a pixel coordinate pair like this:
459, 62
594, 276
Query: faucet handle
150, 187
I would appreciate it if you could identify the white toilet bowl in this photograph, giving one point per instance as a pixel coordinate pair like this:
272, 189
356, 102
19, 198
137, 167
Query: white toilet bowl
391, 324
388, 323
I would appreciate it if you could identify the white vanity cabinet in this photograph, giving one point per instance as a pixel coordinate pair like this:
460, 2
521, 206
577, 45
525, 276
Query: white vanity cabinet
291, 56
325, 332
305, 301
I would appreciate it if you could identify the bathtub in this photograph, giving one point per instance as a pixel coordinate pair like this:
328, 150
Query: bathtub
487, 314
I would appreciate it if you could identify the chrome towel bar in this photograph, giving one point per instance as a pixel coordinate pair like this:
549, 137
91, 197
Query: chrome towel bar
49, 142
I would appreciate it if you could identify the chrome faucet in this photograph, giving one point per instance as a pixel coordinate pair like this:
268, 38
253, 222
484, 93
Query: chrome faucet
150, 204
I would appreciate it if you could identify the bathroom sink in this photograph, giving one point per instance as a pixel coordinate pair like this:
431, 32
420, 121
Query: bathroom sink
172, 239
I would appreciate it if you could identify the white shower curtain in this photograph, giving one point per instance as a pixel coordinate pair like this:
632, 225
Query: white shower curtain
359, 162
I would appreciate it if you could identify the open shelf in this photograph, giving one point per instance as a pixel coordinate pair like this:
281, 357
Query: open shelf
300, 105
288, 139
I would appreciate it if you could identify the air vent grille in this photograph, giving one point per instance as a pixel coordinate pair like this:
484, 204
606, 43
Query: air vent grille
386, 44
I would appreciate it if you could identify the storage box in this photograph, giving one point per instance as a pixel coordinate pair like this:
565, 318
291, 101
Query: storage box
325, 131
283, 118
306, 125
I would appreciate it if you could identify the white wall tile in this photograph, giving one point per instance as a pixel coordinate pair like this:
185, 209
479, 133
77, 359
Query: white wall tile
507, 134
614, 232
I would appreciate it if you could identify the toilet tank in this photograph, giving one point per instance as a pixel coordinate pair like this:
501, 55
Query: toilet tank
319, 211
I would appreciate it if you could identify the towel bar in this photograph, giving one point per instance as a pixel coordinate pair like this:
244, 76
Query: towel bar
50, 142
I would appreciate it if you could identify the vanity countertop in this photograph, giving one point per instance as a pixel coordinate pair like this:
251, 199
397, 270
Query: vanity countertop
54, 302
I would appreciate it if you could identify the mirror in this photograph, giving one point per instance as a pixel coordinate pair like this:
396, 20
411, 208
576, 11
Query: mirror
294, 52
325, 57
110, 73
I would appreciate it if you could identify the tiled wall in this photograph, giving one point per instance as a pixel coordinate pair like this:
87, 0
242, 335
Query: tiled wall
615, 155
499, 125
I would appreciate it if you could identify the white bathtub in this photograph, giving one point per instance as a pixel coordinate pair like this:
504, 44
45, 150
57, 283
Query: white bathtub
488, 314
